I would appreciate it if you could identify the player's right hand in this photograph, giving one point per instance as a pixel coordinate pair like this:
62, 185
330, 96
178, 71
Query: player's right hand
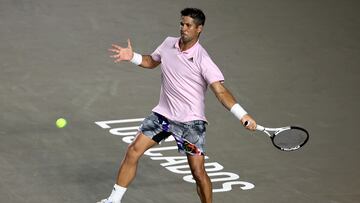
248, 122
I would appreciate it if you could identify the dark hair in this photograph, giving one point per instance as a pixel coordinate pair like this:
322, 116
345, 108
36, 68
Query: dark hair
194, 13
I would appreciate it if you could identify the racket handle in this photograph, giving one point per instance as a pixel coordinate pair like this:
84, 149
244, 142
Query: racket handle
260, 128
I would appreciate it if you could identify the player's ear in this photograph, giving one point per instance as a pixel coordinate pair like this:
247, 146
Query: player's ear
199, 28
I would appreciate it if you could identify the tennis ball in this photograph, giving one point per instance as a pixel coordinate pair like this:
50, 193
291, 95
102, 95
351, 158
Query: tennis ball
61, 122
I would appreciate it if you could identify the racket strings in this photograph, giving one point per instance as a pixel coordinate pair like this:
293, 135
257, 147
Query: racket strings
290, 139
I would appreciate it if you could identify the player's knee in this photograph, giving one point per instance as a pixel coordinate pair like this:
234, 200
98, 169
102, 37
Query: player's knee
133, 152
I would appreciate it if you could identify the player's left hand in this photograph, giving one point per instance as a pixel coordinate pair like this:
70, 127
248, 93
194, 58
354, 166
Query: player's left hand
122, 53
248, 122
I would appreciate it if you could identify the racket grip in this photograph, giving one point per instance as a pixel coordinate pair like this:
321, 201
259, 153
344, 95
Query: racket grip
260, 128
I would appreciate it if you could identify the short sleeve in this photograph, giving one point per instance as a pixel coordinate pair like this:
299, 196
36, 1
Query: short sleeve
156, 55
210, 71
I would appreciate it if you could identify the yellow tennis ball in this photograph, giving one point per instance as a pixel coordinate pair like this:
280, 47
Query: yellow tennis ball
61, 122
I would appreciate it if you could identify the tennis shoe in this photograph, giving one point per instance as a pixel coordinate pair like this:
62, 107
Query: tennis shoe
108, 201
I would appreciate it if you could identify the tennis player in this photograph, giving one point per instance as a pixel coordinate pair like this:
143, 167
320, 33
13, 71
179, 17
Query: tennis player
187, 71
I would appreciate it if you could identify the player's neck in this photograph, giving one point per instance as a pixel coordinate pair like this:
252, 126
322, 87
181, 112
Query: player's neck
187, 45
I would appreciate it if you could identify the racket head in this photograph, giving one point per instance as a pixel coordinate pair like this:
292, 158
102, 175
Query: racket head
290, 139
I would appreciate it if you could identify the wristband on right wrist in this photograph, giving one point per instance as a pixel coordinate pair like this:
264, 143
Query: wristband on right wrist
238, 111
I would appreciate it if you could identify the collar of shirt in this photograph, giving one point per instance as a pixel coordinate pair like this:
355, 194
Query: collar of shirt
189, 53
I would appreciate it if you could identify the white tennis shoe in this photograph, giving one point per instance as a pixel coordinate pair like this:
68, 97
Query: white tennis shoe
107, 201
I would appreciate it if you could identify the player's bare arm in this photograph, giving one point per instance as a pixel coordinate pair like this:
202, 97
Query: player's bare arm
127, 54
149, 62
228, 101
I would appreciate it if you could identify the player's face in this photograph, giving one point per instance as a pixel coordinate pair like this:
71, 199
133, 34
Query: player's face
189, 31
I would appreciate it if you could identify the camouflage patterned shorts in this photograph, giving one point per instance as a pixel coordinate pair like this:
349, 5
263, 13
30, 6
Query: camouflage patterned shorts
189, 136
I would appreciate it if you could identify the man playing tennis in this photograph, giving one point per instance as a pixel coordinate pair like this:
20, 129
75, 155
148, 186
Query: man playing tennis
187, 71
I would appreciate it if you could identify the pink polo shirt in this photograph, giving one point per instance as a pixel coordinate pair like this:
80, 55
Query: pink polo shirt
184, 80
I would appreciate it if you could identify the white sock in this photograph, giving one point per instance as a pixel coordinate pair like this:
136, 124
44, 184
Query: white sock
117, 193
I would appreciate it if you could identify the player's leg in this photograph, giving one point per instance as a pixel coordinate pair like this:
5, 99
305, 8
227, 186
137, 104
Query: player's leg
135, 150
190, 138
203, 183
128, 167
150, 133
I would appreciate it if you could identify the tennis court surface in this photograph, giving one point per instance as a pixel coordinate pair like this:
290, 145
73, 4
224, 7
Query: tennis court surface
286, 62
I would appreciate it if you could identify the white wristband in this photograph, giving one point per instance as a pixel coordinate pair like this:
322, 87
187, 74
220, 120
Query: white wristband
136, 59
238, 111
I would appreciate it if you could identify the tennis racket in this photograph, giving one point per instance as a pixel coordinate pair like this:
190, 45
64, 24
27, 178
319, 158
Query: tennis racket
288, 138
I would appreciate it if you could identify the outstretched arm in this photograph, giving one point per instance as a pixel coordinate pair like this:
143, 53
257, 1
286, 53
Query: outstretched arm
228, 101
127, 54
